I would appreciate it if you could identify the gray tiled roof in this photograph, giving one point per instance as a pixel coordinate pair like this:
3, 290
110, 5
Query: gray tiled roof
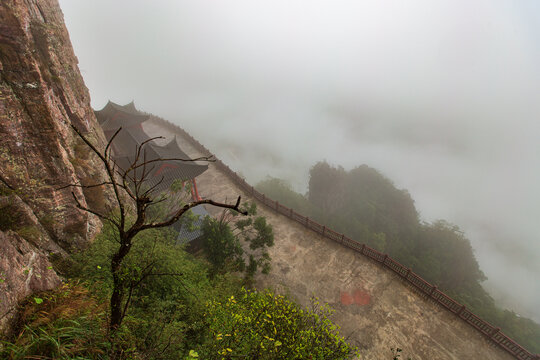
184, 235
113, 116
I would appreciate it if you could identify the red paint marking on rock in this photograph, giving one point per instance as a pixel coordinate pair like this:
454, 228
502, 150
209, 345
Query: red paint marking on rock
361, 297
358, 297
346, 298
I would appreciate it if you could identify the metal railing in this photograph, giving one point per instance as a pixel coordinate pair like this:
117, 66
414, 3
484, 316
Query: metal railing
430, 291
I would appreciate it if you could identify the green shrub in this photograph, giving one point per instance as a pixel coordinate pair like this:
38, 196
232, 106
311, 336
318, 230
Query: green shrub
67, 323
263, 325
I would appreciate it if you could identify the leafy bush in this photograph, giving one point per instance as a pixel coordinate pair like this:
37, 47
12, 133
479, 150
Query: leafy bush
233, 244
263, 325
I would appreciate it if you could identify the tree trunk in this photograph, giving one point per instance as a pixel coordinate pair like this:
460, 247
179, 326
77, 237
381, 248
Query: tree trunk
118, 284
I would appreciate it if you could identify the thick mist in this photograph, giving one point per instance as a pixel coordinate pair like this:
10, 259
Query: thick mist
442, 97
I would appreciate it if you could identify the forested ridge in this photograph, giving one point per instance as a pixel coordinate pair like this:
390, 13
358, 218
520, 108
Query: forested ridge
367, 207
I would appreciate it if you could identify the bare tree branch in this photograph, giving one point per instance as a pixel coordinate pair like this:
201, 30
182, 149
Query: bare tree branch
85, 186
110, 172
101, 216
202, 158
107, 148
190, 205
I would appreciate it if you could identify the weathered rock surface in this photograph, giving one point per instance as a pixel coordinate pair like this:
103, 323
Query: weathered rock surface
41, 94
373, 306
25, 270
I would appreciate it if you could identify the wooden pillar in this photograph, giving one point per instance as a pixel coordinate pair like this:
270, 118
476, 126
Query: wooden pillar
197, 197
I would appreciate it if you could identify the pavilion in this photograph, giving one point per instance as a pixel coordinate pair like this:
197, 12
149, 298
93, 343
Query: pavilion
174, 164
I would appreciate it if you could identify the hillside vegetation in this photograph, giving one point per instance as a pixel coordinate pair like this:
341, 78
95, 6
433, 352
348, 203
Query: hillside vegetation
184, 309
367, 207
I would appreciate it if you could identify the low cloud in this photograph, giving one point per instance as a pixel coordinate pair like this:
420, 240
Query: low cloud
442, 97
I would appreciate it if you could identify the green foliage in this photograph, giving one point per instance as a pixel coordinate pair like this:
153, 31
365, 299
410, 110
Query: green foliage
263, 325
67, 323
281, 191
179, 186
222, 249
327, 187
223, 239
396, 353
165, 303
38, 300
175, 313
443, 246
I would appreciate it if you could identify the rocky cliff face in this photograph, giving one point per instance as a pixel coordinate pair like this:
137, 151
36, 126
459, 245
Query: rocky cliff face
41, 94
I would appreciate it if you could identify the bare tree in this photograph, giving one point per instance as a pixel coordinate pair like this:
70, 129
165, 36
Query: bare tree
133, 198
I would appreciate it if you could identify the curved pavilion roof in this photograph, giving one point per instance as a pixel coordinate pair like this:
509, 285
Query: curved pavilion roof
125, 144
113, 116
172, 150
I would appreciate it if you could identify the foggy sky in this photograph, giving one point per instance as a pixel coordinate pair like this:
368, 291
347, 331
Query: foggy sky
442, 97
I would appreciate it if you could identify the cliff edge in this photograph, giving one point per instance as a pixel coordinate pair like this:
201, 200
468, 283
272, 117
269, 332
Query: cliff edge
41, 94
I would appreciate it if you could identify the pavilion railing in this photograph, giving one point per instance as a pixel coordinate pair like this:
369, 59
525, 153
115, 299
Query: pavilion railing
430, 291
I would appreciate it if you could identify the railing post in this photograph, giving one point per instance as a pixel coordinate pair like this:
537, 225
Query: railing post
495, 331
463, 307
363, 248
323, 230
407, 273
384, 259
433, 290
342, 238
